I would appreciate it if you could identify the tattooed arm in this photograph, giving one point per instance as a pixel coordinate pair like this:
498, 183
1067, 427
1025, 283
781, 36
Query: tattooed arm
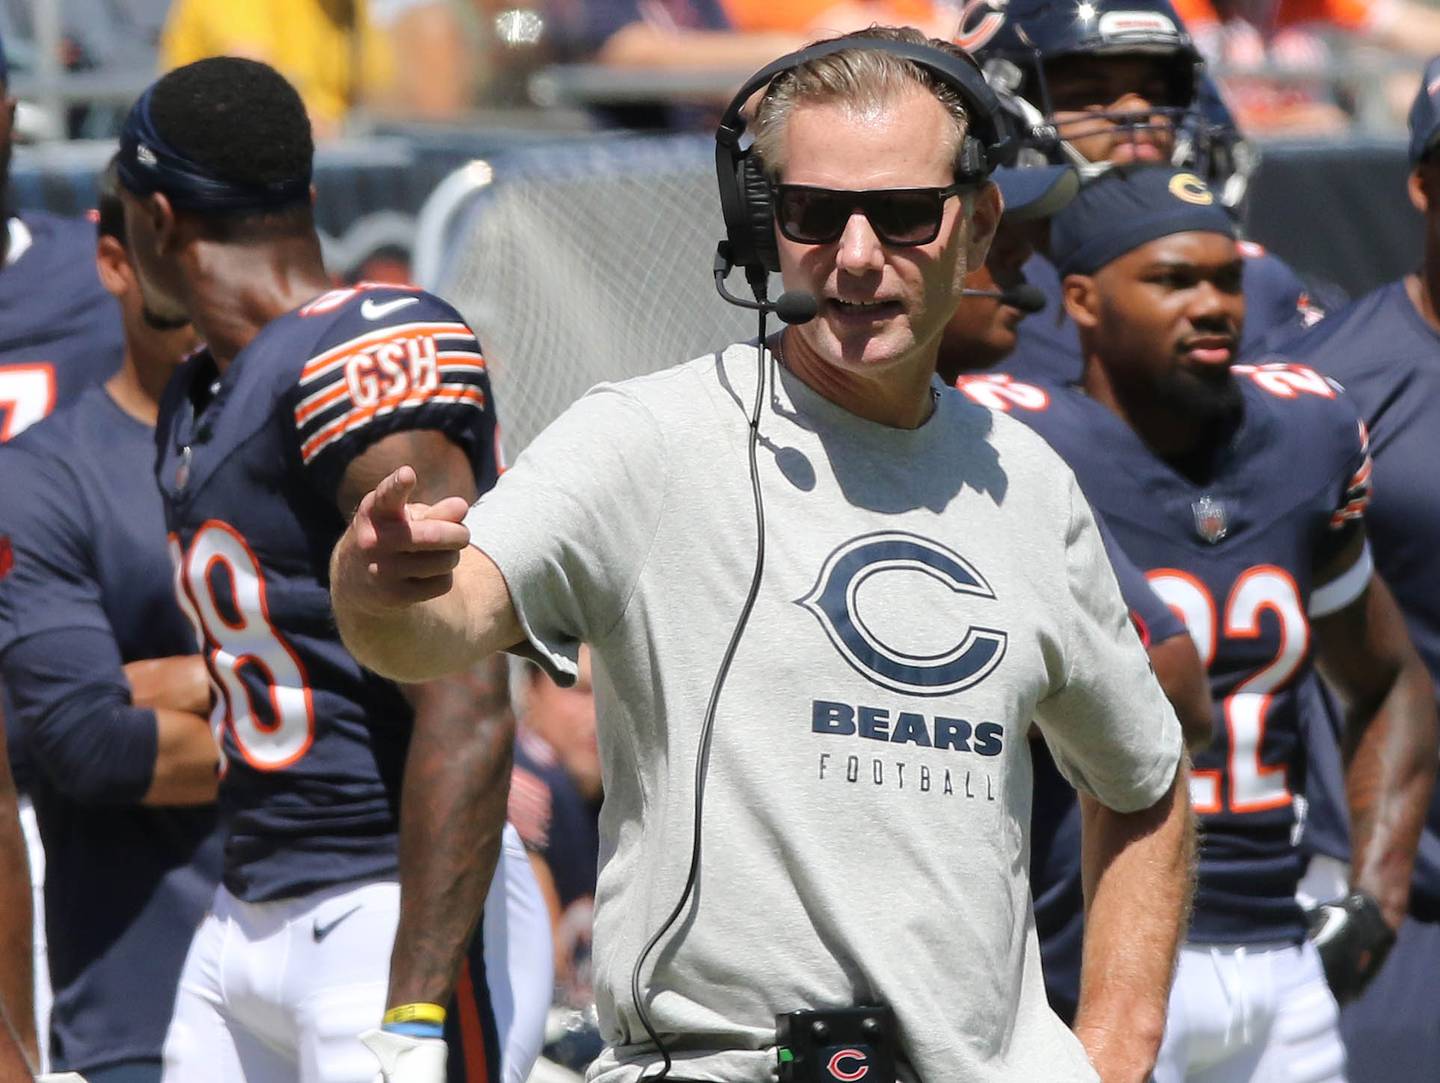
457, 775
457, 783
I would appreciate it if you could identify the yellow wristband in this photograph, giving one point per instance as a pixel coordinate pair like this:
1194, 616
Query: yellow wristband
416, 1013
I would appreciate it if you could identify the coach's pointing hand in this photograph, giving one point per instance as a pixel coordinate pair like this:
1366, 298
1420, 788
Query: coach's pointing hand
397, 553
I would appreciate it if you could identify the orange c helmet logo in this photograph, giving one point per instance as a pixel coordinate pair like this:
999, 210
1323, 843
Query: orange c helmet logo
1191, 189
985, 27
858, 1061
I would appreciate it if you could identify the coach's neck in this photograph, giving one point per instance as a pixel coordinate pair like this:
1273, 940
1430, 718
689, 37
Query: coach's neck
896, 393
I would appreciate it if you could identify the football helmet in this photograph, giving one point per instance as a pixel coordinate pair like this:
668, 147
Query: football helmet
1018, 41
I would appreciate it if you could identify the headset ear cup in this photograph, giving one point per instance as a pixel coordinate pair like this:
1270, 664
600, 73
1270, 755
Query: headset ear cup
759, 213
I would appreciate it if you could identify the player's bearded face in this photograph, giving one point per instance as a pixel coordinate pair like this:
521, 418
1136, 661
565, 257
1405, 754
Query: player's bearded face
880, 305
1171, 315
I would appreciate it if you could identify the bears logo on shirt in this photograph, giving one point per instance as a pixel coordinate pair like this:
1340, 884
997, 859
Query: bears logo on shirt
836, 601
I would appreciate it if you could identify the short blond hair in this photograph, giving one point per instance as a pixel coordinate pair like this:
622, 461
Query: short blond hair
866, 77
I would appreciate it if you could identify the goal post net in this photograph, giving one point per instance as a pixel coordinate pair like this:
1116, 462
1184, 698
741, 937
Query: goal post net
588, 262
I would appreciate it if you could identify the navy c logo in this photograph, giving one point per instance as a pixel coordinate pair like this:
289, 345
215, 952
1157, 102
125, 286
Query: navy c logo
833, 601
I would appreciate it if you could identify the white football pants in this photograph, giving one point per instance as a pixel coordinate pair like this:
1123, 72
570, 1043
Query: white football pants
279, 992
1258, 1014
44, 1000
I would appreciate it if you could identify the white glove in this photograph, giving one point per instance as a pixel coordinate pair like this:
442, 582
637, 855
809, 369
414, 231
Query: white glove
406, 1059
61, 1077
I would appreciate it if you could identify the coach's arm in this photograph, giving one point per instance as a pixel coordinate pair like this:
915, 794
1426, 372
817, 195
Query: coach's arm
413, 599
398, 619
1139, 876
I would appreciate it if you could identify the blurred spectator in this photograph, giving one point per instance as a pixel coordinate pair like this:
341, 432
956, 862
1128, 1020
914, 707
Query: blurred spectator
1295, 39
113, 41
408, 57
821, 18
555, 793
423, 59
718, 35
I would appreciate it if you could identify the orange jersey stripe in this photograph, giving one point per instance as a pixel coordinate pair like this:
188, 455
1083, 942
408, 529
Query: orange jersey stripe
360, 415
321, 402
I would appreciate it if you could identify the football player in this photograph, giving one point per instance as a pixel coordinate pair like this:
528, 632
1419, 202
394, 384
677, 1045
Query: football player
982, 334
1240, 490
59, 329
1384, 348
337, 786
59, 333
1103, 83
102, 678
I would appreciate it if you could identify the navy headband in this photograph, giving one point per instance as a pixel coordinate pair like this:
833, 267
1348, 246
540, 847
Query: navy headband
147, 164
1124, 208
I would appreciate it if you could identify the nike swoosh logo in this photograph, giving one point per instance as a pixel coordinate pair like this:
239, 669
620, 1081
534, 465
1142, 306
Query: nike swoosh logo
320, 932
374, 310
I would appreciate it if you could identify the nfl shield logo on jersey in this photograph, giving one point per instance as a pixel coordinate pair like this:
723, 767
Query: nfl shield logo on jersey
1210, 521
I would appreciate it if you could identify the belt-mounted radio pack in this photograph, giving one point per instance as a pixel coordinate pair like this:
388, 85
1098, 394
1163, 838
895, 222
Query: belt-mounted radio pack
843, 1045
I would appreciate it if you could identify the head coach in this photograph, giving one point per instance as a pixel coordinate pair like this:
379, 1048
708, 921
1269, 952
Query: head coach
826, 597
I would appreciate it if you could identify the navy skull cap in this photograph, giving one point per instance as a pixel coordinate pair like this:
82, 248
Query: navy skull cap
1124, 208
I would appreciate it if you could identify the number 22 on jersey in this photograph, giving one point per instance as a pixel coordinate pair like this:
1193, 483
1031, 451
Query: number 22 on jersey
1252, 786
238, 639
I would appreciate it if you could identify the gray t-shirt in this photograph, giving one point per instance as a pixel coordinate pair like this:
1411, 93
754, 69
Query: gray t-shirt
927, 593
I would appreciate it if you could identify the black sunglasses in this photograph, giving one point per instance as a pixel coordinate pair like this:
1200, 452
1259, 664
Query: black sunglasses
901, 217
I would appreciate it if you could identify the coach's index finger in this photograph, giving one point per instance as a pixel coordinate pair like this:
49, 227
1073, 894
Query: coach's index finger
393, 493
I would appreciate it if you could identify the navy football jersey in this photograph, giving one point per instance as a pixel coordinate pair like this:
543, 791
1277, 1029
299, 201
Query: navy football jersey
1047, 347
1388, 358
1235, 557
556, 821
88, 586
249, 464
59, 330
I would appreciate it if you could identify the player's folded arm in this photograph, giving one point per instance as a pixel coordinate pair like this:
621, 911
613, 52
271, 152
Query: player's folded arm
72, 704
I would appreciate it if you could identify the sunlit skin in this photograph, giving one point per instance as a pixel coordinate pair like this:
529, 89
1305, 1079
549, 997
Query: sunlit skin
1084, 88
565, 719
873, 346
1159, 328
983, 331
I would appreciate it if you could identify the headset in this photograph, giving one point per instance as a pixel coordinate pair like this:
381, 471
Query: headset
745, 196
745, 201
